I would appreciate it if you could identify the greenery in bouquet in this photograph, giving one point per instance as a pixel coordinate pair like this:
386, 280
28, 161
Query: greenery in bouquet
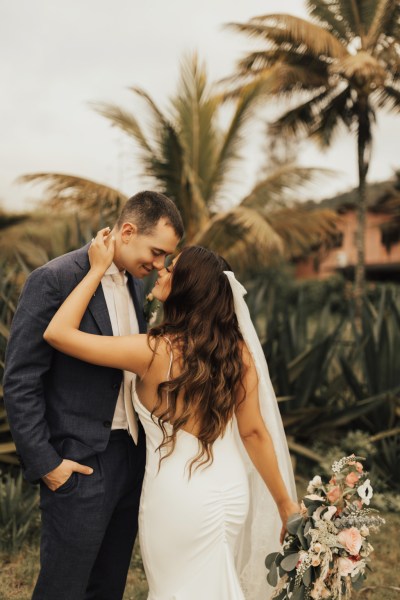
151, 309
326, 549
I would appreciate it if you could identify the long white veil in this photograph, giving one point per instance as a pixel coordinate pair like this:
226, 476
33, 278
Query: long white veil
261, 532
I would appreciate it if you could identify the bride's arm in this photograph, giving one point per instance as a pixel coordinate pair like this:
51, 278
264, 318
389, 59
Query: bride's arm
130, 353
258, 442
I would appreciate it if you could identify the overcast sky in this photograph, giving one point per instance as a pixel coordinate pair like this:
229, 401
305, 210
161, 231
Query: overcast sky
56, 57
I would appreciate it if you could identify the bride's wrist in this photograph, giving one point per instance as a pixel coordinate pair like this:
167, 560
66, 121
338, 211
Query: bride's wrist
285, 504
96, 273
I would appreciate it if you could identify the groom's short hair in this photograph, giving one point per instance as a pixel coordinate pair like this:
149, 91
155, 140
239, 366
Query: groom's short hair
145, 209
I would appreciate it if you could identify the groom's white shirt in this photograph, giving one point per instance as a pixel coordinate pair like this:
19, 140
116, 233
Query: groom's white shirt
108, 285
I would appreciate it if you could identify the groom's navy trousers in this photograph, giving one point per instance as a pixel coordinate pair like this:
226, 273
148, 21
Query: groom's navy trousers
59, 407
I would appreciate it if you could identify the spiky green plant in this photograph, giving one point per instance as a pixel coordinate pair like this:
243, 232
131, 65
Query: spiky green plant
19, 515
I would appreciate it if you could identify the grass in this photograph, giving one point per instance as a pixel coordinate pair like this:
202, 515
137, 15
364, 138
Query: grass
18, 573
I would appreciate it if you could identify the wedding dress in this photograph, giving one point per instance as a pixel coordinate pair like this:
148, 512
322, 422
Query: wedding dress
205, 537
189, 527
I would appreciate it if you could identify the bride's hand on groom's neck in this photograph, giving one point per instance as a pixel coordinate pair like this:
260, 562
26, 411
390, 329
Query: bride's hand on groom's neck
101, 251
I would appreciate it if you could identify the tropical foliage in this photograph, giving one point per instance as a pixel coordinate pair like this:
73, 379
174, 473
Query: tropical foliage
186, 154
338, 69
19, 518
329, 378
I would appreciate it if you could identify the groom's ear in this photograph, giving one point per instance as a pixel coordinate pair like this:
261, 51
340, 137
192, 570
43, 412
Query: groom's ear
128, 231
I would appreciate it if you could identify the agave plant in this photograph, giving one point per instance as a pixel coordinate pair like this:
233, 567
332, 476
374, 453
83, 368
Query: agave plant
326, 377
187, 155
340, 67
19, 515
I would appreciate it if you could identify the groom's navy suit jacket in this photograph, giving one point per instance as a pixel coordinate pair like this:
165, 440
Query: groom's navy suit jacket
59, 407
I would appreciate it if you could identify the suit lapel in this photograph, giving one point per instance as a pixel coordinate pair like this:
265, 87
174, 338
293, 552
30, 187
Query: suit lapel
97, 305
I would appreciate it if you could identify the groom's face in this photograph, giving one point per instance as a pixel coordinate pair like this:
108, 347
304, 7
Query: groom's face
139, 253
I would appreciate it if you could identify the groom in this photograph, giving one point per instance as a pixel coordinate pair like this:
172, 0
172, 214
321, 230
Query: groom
73, 423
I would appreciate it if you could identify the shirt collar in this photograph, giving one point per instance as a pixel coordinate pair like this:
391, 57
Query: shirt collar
113, 269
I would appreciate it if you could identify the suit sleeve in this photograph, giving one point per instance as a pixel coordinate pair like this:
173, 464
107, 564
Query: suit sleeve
28, 359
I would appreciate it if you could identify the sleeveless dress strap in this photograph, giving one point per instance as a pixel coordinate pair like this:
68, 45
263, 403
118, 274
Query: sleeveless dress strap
170, 363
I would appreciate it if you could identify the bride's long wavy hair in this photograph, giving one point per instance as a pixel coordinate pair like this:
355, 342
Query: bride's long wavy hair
200, 321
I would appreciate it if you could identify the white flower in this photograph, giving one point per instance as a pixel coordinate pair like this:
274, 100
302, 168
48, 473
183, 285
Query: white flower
365, 491
317, 547
364, 531
313, 497
315, 483
329, 513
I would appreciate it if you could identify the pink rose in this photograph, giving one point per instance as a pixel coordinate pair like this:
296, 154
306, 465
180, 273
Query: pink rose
352, 478
358, 465
334, 494
345, 566
351, 539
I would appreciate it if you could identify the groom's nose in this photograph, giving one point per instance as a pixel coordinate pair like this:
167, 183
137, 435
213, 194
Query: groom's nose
159, 262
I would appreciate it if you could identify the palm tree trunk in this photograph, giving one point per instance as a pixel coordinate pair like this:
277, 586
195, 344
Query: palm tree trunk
363, 144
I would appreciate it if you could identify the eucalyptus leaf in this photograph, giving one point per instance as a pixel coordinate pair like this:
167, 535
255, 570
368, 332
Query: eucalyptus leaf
313, 502
358, 582
289, 562
307, 577
293, 523
299, 593
270, 559
272, 576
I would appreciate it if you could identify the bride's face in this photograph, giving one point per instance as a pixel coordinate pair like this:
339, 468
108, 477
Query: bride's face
162, 286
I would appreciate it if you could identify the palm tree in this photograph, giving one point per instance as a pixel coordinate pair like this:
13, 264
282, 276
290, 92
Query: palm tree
339, 69
189, 157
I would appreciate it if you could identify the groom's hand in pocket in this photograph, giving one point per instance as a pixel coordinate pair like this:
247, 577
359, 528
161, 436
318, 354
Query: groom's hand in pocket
63, 472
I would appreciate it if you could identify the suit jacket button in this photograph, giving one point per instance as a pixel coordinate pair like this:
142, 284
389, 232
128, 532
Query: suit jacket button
107, 424
116, 386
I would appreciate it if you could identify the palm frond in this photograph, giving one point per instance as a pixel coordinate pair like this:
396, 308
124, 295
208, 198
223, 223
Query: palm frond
326, 14
157, 113
388, 97
337, 111
294, 34
383, 13
303, 230
300, 120
125, 121
281, 188
196, 107
258, 61
68, 191
350, 12
247, 102
243, 237
8, 219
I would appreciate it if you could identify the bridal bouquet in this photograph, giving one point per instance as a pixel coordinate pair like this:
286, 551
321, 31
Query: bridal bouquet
326, 549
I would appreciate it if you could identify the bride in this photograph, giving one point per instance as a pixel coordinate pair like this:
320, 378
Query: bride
218, 486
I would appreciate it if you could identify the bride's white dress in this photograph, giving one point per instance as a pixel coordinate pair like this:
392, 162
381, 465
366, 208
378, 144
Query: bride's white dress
188, 527
193, 530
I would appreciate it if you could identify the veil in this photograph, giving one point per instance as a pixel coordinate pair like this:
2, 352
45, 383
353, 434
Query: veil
261, 531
